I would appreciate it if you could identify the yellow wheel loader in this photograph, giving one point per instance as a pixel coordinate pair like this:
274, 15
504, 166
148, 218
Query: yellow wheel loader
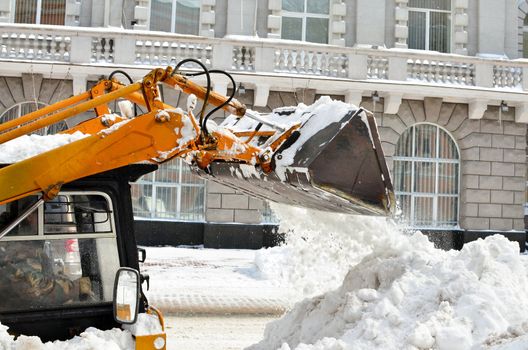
68, 256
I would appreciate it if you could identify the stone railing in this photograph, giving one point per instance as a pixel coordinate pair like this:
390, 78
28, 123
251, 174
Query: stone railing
248, 54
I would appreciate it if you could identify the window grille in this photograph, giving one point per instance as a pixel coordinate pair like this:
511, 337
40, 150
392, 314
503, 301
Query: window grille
175, 16
430, 25
172, 192
24, 108
426, 177
268, 215
40, 11
306, 20
525, 37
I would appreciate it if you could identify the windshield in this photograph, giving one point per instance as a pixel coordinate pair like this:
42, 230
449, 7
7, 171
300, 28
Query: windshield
65, 252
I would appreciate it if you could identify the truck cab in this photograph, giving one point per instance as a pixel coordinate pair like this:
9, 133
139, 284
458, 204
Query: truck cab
58, 265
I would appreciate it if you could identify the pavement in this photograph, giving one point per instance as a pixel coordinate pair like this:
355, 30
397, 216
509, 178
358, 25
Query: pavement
196, 304
197, 281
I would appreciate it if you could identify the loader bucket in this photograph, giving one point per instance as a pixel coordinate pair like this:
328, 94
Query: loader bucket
339, 168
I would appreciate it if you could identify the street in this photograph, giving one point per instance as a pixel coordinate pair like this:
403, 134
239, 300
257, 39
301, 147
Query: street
230, 332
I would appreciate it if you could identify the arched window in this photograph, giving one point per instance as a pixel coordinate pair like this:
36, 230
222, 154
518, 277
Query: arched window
24, 108
426, 177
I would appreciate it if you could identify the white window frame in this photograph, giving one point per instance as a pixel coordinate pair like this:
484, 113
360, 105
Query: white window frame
174, 185
173, 17
43, 236
39, 11
437, 161
428, 24
304, 15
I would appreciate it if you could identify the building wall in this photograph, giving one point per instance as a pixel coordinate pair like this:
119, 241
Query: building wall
493, 163
479, 26
32, 87
492, 155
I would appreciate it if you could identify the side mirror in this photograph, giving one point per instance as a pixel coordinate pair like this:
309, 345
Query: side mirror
142, 255
126, 295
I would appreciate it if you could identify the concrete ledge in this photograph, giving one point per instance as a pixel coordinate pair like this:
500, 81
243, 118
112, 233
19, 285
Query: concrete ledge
445, 240
211, 235
159, 233
515, 236
457, 238
237, 236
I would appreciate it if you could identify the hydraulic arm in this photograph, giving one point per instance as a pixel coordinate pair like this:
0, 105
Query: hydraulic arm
289, 156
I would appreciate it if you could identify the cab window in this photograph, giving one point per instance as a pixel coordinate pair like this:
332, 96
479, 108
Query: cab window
63, 253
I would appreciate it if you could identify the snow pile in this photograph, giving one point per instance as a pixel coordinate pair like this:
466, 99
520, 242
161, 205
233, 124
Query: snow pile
92, 338
312, 118
28, 146
319, 249
407, 294
146, 324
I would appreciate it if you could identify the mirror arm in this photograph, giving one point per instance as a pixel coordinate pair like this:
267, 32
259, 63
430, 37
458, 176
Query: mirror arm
145, 278
144, 298
142, 255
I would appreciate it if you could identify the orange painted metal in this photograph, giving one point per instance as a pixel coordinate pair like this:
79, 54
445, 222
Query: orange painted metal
99, 90
155, 136
146, 342
94, 125
31, 117
138, 140
254, 133
67, 113
215, 99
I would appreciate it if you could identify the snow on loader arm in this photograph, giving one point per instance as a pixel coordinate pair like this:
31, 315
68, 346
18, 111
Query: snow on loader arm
327, 156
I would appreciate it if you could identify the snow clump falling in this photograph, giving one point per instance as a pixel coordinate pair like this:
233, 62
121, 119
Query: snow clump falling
319, 249
400, 292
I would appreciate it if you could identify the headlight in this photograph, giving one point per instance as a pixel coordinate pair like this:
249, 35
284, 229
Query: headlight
159, 343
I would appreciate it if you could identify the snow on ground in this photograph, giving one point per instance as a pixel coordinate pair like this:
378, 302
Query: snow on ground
214, 332
398, 291
194, 279
90, 339
375, 288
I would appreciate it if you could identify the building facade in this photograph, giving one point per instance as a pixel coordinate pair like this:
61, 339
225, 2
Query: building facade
446, 80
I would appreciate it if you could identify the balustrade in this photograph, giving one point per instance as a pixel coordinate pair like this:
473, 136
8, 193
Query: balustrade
302, 61
162, 53
118, 47
507, 76
441, 72
102, 50
35, 46
377, 67
244, 58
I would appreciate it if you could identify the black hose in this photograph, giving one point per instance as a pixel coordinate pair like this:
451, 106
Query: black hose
217, 71
206, 98
118, 71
